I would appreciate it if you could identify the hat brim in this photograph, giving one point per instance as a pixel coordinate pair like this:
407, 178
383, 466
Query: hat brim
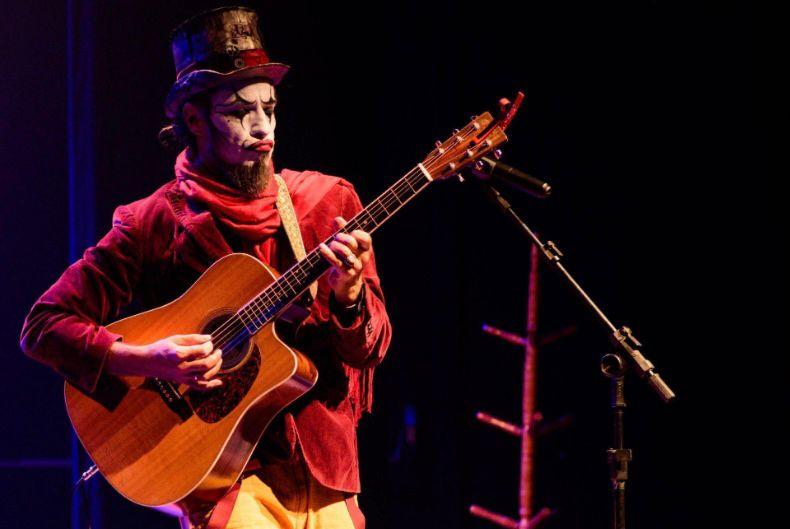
201, 80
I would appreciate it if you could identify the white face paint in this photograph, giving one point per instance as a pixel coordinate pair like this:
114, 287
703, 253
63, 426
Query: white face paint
243, 123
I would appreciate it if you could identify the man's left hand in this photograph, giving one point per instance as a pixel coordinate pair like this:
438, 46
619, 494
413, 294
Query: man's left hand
348, 253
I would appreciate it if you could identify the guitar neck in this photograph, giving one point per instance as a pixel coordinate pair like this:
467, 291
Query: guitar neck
278, 295
388, 203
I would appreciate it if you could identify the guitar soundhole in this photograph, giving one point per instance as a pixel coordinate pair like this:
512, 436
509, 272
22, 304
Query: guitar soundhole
231, 357
211, 406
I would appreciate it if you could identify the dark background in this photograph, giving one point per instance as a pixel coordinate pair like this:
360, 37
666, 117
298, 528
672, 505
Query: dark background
640, 115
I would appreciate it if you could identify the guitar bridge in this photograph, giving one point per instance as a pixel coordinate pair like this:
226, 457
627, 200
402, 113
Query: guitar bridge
172, 398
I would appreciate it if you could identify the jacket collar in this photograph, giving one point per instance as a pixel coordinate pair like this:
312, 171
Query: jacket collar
200, 226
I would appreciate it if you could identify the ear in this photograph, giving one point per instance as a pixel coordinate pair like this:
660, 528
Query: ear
193, 119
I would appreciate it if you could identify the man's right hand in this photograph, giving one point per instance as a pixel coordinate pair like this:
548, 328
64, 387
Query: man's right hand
182, 358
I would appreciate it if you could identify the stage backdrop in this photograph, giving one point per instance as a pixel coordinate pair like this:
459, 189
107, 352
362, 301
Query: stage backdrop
634, 112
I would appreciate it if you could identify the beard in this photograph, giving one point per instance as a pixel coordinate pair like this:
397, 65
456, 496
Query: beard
251, 180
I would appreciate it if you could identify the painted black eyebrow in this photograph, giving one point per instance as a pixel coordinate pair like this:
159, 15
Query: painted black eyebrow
239, 98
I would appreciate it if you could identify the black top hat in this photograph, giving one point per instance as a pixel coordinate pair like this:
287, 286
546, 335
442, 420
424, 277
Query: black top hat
216, 47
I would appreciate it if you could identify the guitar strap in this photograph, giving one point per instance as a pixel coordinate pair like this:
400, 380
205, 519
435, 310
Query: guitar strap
291, 224
220, 515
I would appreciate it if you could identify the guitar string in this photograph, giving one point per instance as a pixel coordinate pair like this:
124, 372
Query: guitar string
388, 198
378, 206
383, 204
234, 329
270, 295
268, 300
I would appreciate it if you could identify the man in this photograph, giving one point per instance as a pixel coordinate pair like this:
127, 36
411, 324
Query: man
224, 198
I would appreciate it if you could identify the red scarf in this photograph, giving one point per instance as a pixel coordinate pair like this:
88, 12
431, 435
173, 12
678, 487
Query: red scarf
251, 219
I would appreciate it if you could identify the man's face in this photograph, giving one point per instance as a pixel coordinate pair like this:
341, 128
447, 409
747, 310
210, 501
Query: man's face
235, 134
242, 122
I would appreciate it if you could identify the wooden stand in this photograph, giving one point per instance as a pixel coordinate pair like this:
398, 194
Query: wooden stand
528, 414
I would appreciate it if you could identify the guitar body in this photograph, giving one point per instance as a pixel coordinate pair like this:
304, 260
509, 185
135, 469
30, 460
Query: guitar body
179, 450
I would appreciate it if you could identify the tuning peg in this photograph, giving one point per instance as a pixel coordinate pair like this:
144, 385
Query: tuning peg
460, 178
498, 154
479, 165
437, 143
455, 131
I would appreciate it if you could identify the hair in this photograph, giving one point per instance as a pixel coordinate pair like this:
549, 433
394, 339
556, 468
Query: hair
175, 135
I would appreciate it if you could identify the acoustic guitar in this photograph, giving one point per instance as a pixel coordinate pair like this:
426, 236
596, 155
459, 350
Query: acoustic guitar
178, 450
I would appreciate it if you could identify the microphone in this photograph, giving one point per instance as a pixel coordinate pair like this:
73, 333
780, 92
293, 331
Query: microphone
488, 169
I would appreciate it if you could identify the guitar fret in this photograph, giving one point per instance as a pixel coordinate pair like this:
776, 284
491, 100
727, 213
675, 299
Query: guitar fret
287, 283
384, 206
256, 320
240, 315
253, 314
376, 214
295, 280
370, 217
285, 288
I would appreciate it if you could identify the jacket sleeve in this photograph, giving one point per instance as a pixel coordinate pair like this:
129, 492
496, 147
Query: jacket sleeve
64, 329
363, 341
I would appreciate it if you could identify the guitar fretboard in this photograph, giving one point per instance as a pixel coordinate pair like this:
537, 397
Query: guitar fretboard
279, 294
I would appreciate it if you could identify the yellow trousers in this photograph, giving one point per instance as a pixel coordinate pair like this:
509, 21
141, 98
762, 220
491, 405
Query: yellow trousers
286, 495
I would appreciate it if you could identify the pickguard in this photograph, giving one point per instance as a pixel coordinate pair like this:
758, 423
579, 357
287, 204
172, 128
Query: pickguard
213, 405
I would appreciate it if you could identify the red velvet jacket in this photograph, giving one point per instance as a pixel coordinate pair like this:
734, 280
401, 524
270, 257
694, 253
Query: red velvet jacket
157, 248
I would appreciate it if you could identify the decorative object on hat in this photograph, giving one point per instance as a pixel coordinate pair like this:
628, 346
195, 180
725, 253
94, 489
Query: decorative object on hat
216, 47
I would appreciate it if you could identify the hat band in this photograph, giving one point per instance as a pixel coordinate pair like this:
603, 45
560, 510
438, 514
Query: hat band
227, 62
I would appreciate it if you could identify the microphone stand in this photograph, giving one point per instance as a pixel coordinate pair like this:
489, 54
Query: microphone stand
613, 365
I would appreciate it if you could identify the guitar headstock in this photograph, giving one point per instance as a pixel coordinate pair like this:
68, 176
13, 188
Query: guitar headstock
479, 137
482, 135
